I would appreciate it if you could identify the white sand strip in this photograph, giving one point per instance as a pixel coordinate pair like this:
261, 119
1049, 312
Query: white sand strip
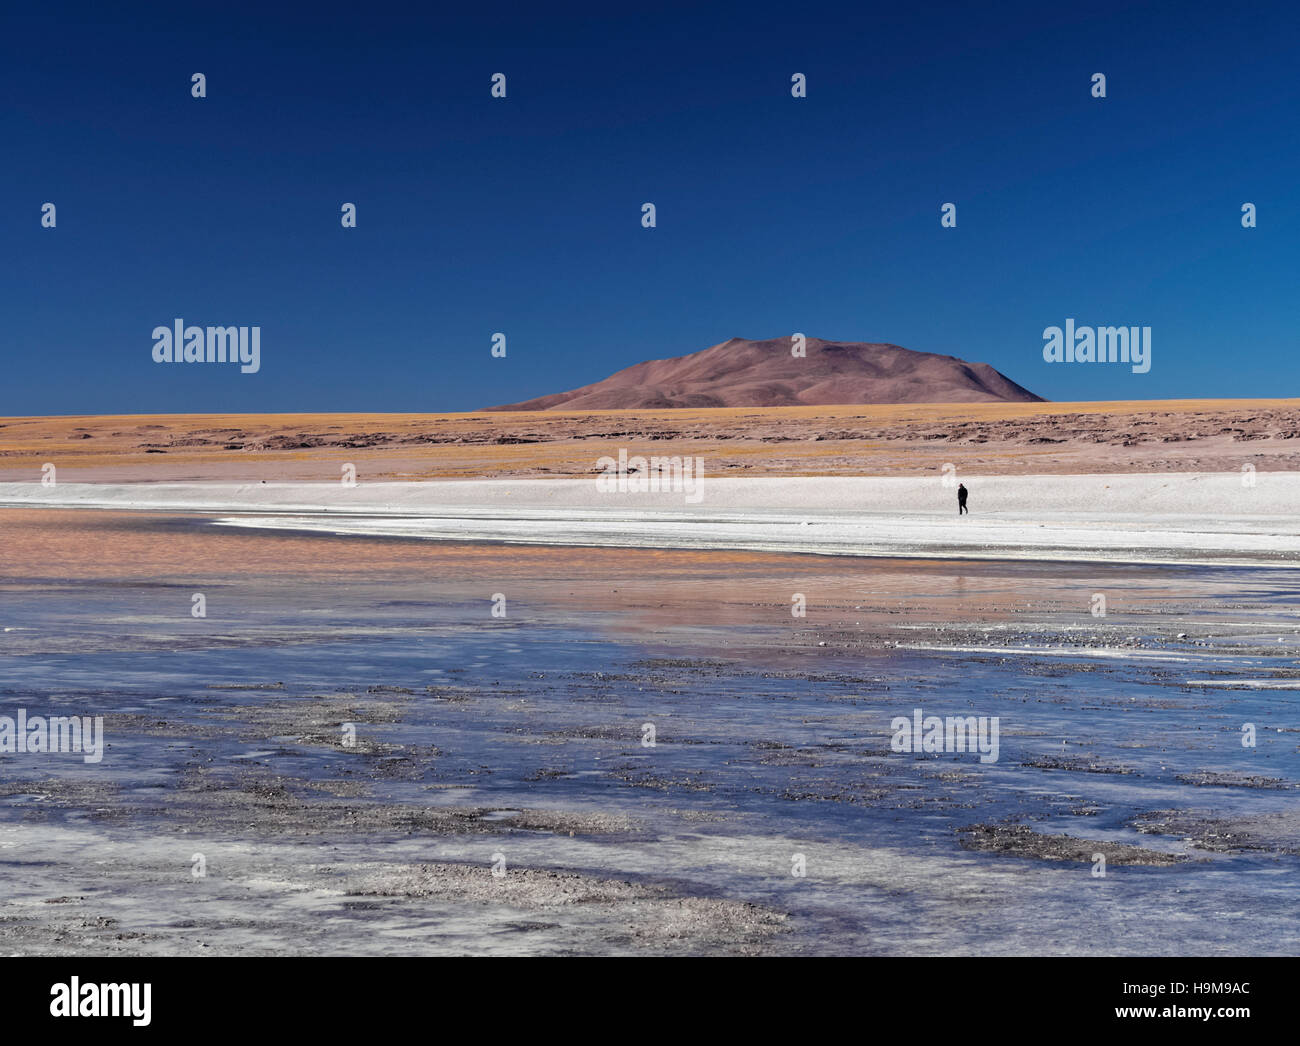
1111, 653
1249, 684
1174, 518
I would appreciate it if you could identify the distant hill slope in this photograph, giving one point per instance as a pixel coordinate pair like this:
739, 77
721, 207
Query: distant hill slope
742, 373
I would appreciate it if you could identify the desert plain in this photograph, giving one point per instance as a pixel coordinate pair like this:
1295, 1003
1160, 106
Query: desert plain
1204, 435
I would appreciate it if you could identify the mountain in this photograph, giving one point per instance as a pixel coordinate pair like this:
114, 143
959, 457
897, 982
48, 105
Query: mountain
743, 373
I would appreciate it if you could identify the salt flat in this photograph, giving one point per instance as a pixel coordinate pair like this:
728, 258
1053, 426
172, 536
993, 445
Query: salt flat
1173, 518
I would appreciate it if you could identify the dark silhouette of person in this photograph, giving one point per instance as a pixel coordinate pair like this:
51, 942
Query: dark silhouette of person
961, 499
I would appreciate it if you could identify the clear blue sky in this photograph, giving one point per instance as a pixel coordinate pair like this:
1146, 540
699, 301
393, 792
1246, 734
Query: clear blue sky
522, 215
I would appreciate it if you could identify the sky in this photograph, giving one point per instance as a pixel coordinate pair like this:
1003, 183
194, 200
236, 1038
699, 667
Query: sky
523, 215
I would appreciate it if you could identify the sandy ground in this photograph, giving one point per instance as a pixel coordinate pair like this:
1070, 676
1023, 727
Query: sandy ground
1162, 518
1205, 435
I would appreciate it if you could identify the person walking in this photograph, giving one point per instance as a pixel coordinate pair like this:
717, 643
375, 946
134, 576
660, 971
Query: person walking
961, 499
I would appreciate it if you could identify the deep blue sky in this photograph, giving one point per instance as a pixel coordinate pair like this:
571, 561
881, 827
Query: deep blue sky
522, 215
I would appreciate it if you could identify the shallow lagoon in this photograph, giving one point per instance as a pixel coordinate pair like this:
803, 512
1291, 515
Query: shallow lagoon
225, 737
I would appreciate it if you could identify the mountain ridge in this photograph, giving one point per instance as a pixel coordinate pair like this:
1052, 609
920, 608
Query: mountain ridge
740, 372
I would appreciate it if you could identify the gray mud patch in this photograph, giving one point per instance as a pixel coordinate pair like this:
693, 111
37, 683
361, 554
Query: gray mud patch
274, 806
1018, 840
1214, 779
1081, 766
641, 913
1273, 833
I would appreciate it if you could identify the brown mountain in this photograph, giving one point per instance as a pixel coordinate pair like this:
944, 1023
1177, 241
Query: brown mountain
742, 373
